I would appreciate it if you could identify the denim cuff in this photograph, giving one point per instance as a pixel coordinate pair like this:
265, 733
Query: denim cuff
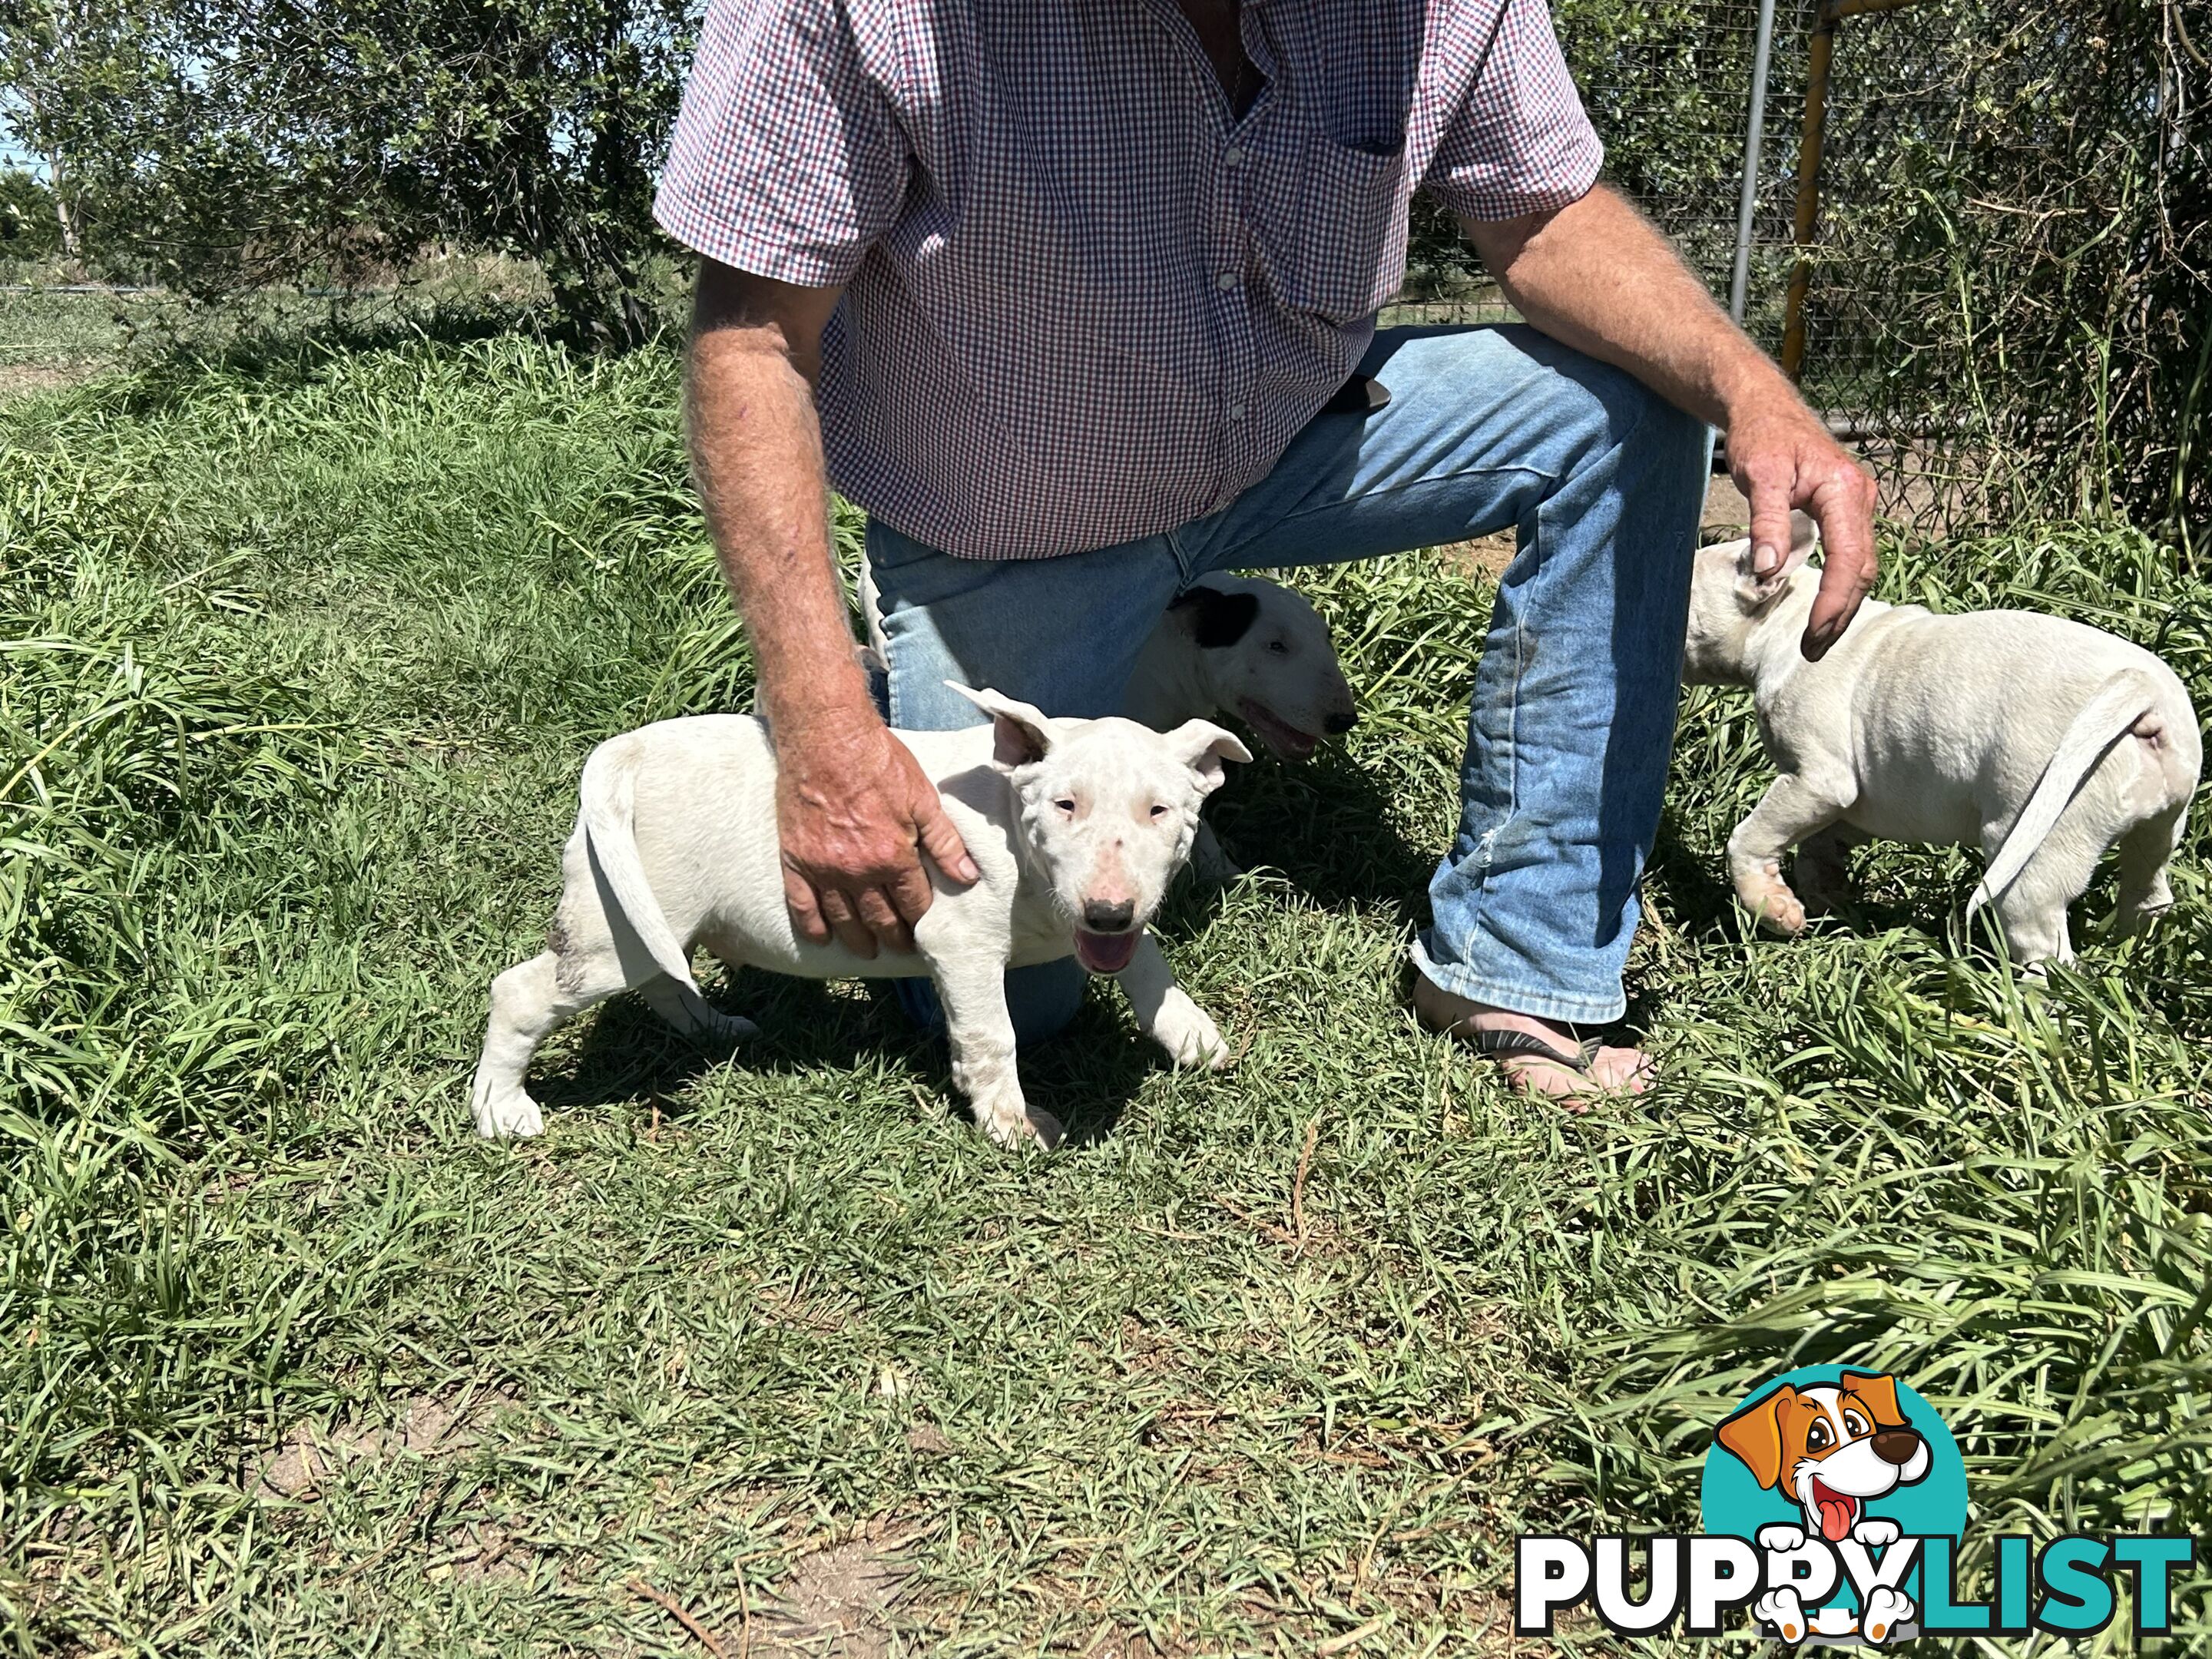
1516, 995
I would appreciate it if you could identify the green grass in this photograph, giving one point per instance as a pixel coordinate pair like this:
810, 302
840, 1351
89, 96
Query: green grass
300, 663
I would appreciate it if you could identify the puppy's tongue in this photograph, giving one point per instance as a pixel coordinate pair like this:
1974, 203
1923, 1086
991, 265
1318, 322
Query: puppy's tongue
1836, 1518
1106, 953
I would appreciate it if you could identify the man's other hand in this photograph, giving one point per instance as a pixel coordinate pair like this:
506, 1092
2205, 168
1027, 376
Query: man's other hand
855, 813
1783, 457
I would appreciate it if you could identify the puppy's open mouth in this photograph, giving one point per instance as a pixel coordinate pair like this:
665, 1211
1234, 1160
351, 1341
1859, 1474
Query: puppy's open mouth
1106, 953
1278, 734
1839, 1510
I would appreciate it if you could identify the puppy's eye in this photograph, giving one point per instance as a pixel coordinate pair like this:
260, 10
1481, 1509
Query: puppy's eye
1818, 1438
1281, 648
1159, 811
1066, 805
1856, 1426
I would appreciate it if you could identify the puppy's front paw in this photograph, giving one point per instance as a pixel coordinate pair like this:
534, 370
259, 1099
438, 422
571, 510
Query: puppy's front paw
1886, 1611
510, 1116
1877, 1534
1780, 1611
1005, 1115
1761, 890
1190, 1038
1007, 1125
1781, 1537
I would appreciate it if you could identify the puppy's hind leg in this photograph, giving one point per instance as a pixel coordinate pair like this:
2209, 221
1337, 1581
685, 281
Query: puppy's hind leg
2033, 909
527, 1001
2144, 851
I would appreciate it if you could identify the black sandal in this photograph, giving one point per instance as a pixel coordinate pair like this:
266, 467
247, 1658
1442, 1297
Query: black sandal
1504, 1043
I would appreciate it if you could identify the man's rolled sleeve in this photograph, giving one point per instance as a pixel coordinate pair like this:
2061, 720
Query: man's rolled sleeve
1521, 143
787, 160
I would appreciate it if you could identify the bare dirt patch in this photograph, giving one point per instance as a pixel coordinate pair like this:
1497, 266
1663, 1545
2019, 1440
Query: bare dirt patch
1485, 556
1726, 507
1488, 555
421, 1425
23, 380
837, 1602
482, 1551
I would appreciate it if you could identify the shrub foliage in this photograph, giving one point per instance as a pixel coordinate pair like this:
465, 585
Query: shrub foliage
220, 145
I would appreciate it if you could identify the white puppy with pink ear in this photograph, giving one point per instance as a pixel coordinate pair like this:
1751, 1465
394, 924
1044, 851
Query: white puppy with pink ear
1077, 827
2039, 740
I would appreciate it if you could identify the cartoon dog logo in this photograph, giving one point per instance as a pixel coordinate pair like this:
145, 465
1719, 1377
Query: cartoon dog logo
1833, 1449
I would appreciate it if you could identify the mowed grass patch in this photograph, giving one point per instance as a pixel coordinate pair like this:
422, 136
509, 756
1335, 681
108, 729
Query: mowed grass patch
300, 663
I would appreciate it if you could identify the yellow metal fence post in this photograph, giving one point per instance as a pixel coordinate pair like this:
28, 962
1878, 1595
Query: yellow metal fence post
1808, 190
1809, 146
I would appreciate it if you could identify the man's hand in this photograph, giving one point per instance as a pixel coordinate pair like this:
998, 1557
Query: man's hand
1595, 275
855, 813
1783, 457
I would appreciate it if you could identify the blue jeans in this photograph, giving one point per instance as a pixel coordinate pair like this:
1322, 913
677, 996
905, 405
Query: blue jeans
1602, 480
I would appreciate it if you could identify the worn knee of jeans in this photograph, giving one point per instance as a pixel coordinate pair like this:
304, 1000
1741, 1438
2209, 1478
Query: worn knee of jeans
1621, 410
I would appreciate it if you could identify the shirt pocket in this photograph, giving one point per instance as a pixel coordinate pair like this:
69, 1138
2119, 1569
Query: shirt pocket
1343, 257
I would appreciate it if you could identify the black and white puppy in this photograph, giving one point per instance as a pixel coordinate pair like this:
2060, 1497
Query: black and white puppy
1244, 645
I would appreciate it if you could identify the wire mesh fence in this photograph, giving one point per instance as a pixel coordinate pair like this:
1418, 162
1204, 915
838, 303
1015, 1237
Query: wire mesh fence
2011, 292
2006, 300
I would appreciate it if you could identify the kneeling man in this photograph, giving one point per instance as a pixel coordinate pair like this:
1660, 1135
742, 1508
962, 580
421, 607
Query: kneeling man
1078, 301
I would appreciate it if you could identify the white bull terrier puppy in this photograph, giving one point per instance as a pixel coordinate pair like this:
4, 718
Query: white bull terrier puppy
1077, 826
1242, 645
2039, 740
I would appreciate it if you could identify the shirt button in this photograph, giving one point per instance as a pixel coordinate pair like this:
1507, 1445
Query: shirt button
1232, 157
1236, 411
1226, 281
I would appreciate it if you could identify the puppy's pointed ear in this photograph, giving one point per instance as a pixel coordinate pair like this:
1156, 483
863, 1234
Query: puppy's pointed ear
1215, 620
1804, 532
1021, 733
1202, 746
1754, 592
1754, 1435
1879, 1393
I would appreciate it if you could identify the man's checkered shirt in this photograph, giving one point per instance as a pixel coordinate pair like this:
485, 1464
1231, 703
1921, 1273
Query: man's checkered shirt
1083, 303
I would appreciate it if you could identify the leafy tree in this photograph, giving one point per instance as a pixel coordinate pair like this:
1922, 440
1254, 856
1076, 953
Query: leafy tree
221, 144
30, 227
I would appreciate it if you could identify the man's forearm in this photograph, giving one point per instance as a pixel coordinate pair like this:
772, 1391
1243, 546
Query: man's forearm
1636, 306
756, 454
1595, 276
853, 809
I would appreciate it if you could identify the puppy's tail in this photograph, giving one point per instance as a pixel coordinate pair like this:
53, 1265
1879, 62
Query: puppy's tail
609, 794
2104, 720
